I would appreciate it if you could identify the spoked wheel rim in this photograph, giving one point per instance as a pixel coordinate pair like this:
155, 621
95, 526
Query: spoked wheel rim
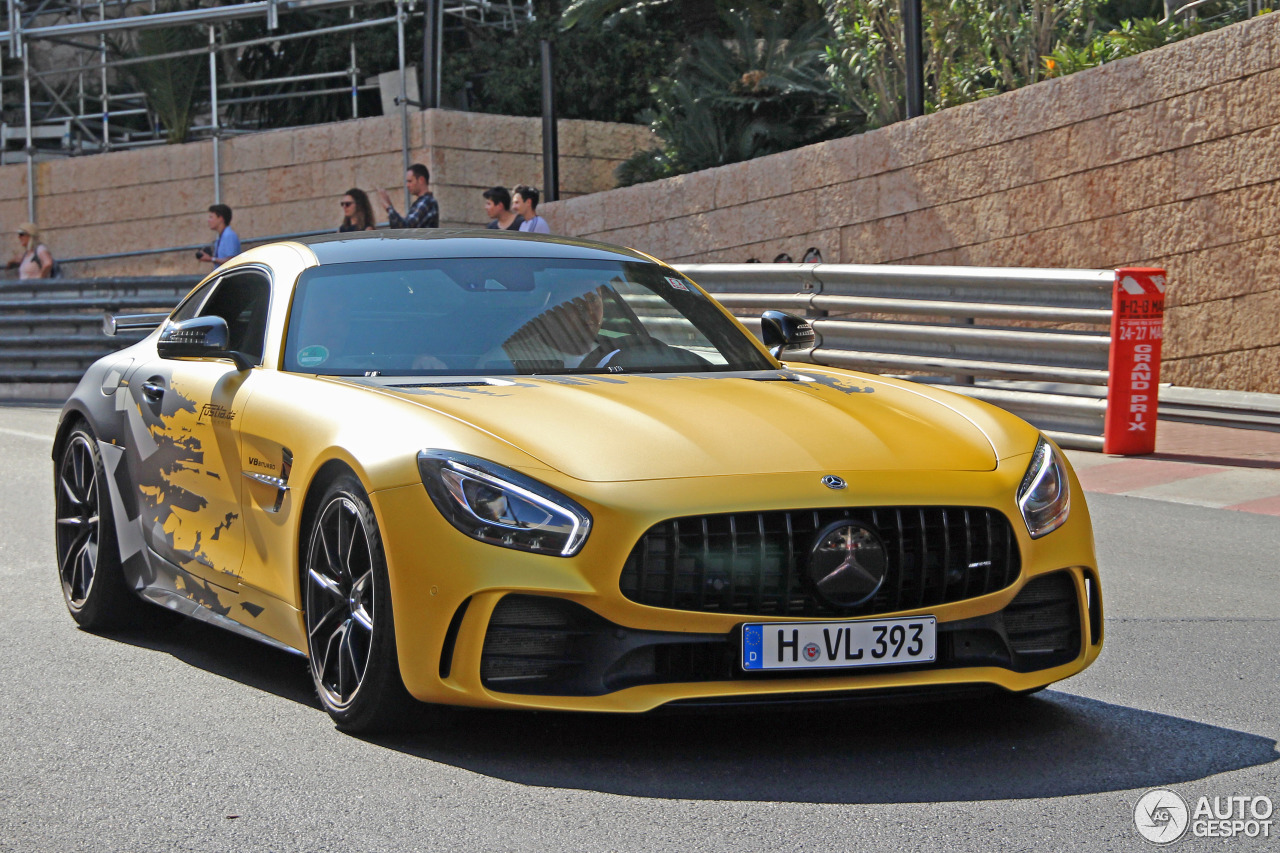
340, 602
78, 516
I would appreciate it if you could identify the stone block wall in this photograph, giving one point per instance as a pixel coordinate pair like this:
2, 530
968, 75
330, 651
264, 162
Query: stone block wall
288, 181
1169, 159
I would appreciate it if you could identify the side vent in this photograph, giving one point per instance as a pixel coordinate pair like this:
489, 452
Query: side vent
451, 639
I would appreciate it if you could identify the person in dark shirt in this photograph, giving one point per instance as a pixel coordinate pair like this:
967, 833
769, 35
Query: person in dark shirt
497, 204
357, 212
424, 212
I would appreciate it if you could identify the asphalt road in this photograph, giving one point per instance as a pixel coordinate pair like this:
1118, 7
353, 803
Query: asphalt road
194, 739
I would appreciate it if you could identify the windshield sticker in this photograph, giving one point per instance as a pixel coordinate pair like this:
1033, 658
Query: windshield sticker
677, 284
312, 356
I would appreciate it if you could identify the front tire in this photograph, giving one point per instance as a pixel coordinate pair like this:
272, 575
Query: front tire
93, 583
347, 600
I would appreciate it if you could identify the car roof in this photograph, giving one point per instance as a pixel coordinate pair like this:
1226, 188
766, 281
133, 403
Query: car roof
413, 243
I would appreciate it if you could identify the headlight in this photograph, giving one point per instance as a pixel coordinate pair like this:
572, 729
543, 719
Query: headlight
1044, 496
502, 507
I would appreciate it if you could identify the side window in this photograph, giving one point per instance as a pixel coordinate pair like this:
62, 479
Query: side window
192, 303
242, 299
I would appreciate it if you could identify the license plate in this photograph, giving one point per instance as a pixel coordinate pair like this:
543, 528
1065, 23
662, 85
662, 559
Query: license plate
827, 645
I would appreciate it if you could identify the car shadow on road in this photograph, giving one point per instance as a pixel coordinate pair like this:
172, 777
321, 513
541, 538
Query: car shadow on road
1051, 745
229, 655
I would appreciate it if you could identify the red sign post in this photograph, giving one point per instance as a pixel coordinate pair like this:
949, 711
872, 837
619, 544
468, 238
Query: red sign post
1137, 330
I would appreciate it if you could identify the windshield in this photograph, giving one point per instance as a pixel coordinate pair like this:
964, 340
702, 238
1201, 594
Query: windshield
496, 316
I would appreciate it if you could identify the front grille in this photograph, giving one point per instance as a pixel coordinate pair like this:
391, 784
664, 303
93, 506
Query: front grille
754, 563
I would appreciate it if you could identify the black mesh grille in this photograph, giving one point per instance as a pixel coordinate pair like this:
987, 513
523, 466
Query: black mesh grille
1043, 622
754, 563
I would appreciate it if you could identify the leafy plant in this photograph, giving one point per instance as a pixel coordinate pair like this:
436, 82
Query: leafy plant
601, 74
697, 17
727, 101
169, 84
376, 51
1130, 38
973, 48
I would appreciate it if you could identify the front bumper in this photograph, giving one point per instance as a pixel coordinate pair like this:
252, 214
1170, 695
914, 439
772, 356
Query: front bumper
463, 639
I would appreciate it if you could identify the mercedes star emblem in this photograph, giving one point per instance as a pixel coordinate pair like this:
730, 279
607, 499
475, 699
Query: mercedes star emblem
847, 564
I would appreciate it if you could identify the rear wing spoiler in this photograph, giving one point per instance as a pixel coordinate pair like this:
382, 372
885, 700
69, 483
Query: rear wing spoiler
114, 324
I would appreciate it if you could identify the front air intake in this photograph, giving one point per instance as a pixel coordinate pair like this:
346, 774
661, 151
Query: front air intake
1043, 623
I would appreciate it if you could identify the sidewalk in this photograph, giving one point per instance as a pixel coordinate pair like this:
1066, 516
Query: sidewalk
1213, 466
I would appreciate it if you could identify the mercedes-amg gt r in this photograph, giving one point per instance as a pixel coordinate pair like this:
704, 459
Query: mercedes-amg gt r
507, 471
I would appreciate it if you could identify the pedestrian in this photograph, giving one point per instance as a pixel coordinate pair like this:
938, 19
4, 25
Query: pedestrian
424, 212
524, 201
34, 260
357, 212
227, 244
497, 204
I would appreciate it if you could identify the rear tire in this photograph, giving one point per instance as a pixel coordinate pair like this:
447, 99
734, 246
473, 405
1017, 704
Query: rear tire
351, 640
93, 583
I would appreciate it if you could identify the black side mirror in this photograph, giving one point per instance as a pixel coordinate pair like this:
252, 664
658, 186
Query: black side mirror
783, 332
200, 337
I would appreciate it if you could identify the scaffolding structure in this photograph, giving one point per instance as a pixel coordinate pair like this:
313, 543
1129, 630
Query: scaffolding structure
75, 107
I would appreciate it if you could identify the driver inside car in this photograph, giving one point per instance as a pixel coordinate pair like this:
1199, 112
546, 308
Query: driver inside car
570, 331
576, 327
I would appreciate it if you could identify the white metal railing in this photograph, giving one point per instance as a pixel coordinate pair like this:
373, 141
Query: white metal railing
89, 121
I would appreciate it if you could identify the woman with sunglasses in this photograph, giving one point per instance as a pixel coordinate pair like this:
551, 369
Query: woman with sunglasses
357, 212
35, 260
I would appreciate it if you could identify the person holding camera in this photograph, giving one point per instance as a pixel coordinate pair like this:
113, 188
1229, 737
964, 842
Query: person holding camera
227, 244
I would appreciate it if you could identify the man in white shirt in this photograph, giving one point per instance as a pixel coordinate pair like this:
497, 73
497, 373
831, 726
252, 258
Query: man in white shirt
524, 201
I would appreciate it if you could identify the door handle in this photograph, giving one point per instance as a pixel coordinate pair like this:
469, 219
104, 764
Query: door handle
153, 390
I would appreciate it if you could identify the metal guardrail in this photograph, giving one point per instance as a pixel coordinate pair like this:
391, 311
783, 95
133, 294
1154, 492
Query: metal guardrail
51, 329
995, 334
245, 242
1032, 341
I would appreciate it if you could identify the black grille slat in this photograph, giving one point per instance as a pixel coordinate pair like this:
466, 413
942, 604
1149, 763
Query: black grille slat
785, 600
1009, 548
757, 591
968, 554
991, 543
752, 564
902, 551
922, 555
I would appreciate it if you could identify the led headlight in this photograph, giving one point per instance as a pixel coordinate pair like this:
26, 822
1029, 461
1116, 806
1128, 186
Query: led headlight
1044, 496
502, 507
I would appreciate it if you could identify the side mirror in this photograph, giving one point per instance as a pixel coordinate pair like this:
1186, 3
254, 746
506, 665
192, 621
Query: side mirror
200, 337
783, 332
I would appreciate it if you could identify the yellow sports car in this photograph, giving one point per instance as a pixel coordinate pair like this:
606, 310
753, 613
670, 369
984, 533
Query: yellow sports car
517, 472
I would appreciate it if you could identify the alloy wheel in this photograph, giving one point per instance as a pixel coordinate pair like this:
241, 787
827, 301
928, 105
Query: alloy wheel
78, 517
340, 608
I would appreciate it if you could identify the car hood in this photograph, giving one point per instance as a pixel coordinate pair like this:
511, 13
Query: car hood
641, 427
